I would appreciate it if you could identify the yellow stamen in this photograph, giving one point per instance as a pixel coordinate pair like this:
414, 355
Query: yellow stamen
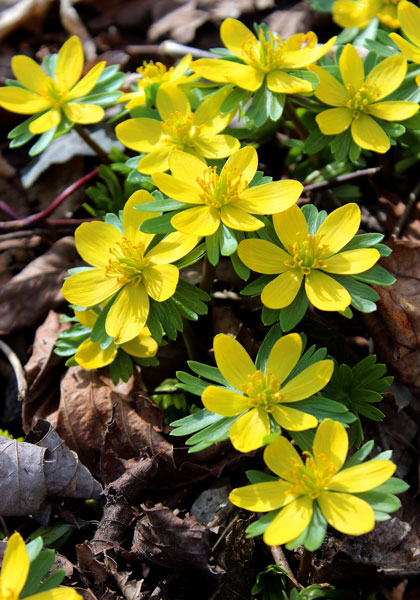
218, 190
307, 253
126, 262
312, 477
263, 390
180, 130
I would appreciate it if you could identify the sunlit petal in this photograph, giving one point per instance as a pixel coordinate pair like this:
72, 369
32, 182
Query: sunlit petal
224, 71
179, 189
288, 223
293, 419
281, 292
216, 146
346, 513
351, 262
15, 567
363, 477
409, 50
234, 34
160, 281
45, 122
173, 247
22, 101
156, 161
133, 218
94, 240
249, 431
388, 75
236, 372
128, 314
202, 220
291, 521
331, 441
409, 17
242, 164
208, 116
69, 63
83, 113
334, 120
281, 82
351, 68
263, 257
90, 355
237, 218
85, 85
261, 497
141, 135
143, 346
329, 89
309, 381
28, 72
326, 293
281, 457
340, 227
88, 288
224, 402
170, 99
186, 167
368, 134
284, 355
393, 111
271, 198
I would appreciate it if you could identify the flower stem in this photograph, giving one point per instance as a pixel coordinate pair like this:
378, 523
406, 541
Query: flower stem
91, 142
280, 559
207, 276
190, 340
305, 567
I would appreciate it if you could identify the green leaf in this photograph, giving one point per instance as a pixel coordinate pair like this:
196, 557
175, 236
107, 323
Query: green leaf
315, 142
170, 319
121, 368
53, 581
256, 287
291, 315
380, 501
363, 240
258, 527
212, 248
266, 347
227, 240
162, 205
371, 412
317, 529
33, 548
241, 270
310, 212
259, 476
304, 439
192, 257
233, 99
38, 569
195, 422
340, 145
191, 384
98, 330
376, 275
43, 141
208, 372
269, 316
160, 224
154, 324
392, 486
217, 432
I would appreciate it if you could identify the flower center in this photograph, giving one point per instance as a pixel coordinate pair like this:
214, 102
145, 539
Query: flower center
225, 188
307, 252
180, 130
154, 72
126, 262
389, 16
268, 53
312, 477
52, 92
359, 100
263, 390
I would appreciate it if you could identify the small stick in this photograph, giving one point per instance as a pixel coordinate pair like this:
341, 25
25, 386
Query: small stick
91, 142
321, 185
225, 532
280, 559
412, 198
169, 48
8, 211
305, 567
17, 368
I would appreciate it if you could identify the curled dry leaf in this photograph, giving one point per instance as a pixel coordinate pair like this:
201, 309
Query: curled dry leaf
41, 467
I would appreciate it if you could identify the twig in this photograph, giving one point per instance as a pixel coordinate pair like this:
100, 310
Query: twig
81, 131
18, 370
207, 275
280, 559
412, 199
225, 532
328, 183
8, 211
305, 567
168, 48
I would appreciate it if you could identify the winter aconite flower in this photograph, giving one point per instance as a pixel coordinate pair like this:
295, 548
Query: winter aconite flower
409, 16
90, 355
359, 13
14, 573
309, 258
225, 198
267, 57
359, 102
260, 395
125, 268
319, 480
57, 96
197, 133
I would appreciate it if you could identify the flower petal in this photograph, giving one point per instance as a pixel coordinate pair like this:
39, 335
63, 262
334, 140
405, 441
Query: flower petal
290, 522
409, 50
351, 68
85, 85
156, 161
393, 111
236, 372
76, 112
363, 477
90, 355
88, 288
28, 72
86, 317
284, 355
368, 134
170, 99
225, 71
249, 431
297, 57
186, 167
348, 13
202, 220
224, 402
94, 241
346, 513
331, 441
22, 101
281, 292
133, 218
329, 89
216, 146
69, 63
288, 223
334, 120
263, 257
208, 116
143, 346
15, 567
261, 497
409, 17
326, 293
181, 68
179, 189
234, 34
270, 198
61, 593
281, 82
45, 122
128, 314
172, 248
309, 381
141, 135
281, 458
237, 218
388, 75
160, 281
242, 164
352, 261
340, 227
293, 419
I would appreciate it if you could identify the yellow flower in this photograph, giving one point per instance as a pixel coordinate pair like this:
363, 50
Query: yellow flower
152, 75
263, 394
123, 265
53, 96
309, 258
409, 16
180, 129
222, 198
347, 13
14, 572
319, 480
263, 57
360, 99
90, 355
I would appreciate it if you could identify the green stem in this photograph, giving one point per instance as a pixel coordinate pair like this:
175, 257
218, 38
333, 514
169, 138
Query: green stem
91, 142
207, 276
305, 567
291, 114
190, 340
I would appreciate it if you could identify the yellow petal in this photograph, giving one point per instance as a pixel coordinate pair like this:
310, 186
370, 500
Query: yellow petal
237, 218
309, 381
261, 497
83, 113
340, 227
348, 13
225, 71
325, 293
329, 89
284, 355
234, 34
351, 68
249, 431
61, 593
351, 262
21, 101
331, 441
203, 220
393, 111
181, 68
89, 288
143, 346
94, 241
128, 314
271, 198
292, 419
242, 164
85, 85
170, 99
15, 567
186, 167
45, 122
288, 223
179, 189
236, 372
90, 355
368, 134
156, 161
347, 513
133, 218
69, 63
160, 281
283, 83
334, 120
28, 72
281, 458
263, 257
141, 135
388, 75
208, 116
290, 522
86, 318
216, 146
224, 402
281, 292
409, 50
302, 57
172, 248
363, 477
409, 18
